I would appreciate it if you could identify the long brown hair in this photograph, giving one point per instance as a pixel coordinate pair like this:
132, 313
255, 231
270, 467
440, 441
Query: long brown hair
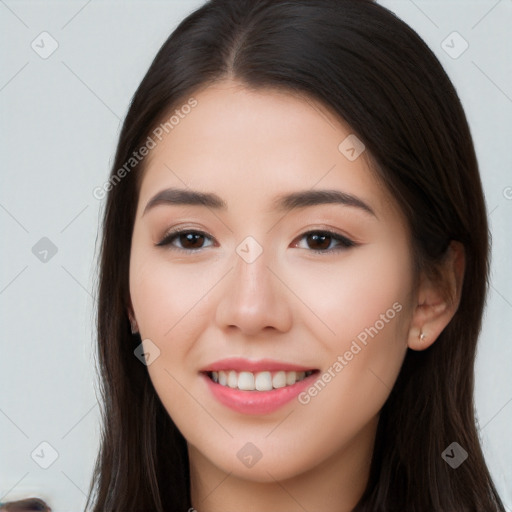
377, 74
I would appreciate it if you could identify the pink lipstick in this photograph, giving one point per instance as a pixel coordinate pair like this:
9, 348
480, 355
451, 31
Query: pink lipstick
256, 387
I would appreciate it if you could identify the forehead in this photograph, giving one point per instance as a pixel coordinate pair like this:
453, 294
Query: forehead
250, 145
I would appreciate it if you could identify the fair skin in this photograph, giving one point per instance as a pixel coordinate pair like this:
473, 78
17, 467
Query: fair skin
290, 304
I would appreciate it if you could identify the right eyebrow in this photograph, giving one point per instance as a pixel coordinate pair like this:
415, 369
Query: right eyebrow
186, 197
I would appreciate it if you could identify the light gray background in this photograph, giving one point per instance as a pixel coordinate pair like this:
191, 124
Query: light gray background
60, 121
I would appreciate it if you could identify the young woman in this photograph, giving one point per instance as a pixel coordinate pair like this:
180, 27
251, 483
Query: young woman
293, 272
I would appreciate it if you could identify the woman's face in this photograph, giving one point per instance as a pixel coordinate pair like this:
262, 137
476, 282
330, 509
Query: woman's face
248, 297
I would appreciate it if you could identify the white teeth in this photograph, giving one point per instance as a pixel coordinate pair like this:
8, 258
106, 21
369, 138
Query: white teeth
261, 381
279, 380
232, 379
246, 381
291, 378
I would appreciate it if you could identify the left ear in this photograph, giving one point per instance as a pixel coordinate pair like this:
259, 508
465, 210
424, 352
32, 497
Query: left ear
437, 300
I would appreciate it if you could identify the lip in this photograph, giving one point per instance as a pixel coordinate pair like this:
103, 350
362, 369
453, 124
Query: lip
255, 402
240, 364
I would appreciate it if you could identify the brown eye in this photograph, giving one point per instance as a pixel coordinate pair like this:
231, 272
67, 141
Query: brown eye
320, 241
188, 240
191, 240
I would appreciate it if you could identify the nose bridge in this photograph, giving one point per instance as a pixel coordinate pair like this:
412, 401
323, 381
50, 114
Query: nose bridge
252, 278
253, 299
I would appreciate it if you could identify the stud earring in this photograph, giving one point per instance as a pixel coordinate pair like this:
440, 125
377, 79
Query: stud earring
422, 336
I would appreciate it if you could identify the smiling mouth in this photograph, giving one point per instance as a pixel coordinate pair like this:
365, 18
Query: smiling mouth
258, 381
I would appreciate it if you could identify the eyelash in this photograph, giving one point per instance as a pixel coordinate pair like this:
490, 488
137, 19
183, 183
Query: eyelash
345, 243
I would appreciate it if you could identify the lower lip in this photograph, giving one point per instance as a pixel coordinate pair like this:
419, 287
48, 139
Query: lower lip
257, 402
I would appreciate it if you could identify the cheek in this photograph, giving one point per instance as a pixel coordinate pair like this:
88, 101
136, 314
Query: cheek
364, 307
167, 296
168, 300
363, 288
366, 303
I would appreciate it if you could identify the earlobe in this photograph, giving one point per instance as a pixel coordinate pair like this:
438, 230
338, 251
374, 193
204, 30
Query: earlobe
133, 323
437, 299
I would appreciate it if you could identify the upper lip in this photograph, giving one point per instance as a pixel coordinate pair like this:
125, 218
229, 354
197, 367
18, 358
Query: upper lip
240, 364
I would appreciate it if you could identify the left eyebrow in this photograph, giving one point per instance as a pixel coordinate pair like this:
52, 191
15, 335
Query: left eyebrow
306, 198
284, 202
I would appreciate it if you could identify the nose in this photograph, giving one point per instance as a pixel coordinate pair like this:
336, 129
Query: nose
254, 298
